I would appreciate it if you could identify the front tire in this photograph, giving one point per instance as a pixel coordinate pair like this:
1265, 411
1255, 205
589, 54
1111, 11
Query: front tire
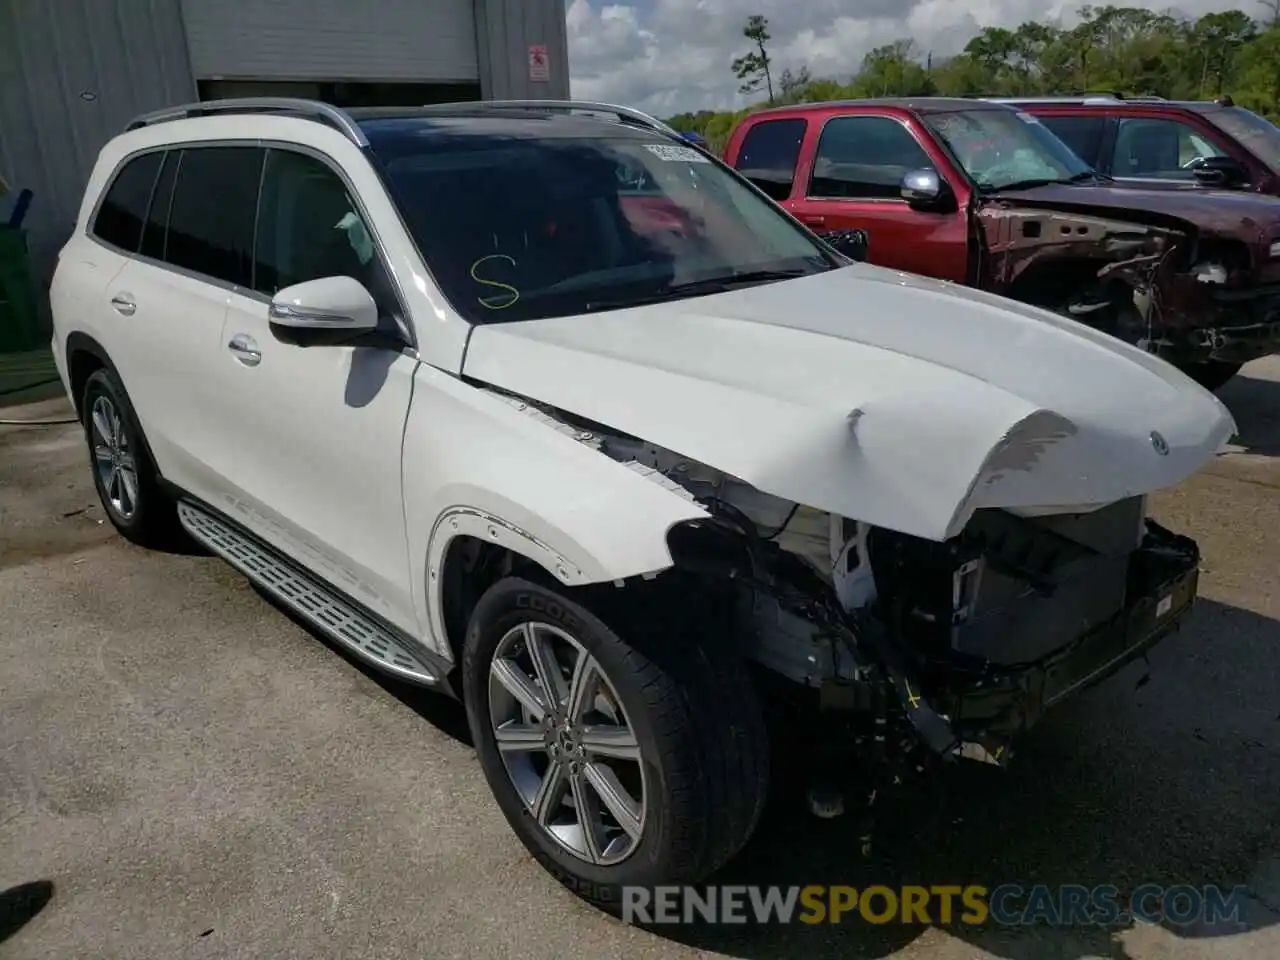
123, 474
646, 764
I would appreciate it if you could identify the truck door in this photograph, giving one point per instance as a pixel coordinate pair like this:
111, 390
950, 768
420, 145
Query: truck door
853, 179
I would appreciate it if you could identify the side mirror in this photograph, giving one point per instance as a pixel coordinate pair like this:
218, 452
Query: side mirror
1220, 172
922, 187
324, 311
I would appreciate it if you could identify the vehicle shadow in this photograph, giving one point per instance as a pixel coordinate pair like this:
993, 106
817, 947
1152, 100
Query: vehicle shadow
20, 905
436, 707
1255, 403
1164, 782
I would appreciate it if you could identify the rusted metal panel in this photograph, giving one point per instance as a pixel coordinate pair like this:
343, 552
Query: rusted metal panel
72, 74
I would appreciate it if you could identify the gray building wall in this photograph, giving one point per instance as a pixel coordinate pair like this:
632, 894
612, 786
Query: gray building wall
72, 74
505, 30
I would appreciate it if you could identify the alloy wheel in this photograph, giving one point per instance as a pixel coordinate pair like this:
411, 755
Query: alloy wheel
113, 458
567, 743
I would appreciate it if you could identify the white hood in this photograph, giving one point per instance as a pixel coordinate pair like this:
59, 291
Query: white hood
885, 397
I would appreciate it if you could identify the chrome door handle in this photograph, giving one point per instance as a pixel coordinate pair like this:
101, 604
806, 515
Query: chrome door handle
123, 303
245, 349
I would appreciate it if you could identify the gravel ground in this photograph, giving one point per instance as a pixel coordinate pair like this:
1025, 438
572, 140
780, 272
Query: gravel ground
198, 776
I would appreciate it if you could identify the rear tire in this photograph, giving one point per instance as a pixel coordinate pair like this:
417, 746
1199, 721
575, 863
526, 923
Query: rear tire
1212, 374
698, 779
123, 474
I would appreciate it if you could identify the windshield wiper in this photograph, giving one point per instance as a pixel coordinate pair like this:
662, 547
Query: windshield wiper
1093, 175
694, 288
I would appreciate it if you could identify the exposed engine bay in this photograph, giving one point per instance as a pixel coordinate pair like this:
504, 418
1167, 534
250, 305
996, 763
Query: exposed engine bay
953, 647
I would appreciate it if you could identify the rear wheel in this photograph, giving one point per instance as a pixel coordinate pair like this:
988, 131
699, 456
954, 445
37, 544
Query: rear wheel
123, 474
636, 757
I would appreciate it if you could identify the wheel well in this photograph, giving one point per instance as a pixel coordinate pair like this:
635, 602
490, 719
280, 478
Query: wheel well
81, 363
471, 566
1053, 283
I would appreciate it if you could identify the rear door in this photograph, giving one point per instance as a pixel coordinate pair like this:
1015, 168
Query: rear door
854, 181
168, 303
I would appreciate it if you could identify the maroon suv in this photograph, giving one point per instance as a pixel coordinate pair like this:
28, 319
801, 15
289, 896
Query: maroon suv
982, 194
1154, 142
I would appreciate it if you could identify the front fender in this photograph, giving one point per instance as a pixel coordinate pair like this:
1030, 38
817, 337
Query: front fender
476, 464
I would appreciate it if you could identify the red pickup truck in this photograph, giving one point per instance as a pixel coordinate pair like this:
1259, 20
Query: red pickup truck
983, 194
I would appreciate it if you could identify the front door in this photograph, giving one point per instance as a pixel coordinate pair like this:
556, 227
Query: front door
855, 180
309, 438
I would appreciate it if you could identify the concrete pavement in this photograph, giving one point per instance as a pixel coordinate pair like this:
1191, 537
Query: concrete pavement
198, 776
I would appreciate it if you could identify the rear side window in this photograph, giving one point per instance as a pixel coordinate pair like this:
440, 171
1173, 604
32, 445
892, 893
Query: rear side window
153, 232
865, 158
211, 217
122, 212
1082, 134
769, 154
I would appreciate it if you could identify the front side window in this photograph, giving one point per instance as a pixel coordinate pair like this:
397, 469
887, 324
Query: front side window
124, 209
212, 213
1159, 149
1002, 149
523, 227
769, 154
865, 158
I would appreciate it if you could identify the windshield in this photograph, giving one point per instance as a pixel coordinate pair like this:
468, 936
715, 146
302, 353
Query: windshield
518, 228
1256, 134
1000, 149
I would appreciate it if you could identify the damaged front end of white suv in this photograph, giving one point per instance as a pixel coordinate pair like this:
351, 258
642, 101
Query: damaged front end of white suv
936, 539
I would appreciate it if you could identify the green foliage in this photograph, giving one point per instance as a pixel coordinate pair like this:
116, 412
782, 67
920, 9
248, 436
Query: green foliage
1127, 50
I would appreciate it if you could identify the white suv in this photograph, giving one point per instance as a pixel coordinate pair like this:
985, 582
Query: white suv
536, 404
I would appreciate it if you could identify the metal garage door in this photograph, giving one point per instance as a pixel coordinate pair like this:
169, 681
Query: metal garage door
417, 40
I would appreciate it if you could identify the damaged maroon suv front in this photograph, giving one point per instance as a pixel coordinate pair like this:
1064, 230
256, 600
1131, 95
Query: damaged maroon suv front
981, 194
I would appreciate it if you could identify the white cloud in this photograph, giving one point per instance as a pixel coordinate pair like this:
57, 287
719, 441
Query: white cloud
666, 56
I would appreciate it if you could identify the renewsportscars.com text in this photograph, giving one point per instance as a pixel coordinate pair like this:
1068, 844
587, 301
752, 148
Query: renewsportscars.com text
1006, 905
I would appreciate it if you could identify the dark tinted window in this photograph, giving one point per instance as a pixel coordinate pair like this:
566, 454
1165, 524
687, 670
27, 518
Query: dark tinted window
211, 219
120, 216
153, 234
524, 219
1082, 134
769, 154
1147, 147
865, 157
308, 225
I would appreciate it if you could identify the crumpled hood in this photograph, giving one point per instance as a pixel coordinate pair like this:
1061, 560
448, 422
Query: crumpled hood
1247, 216
882, 396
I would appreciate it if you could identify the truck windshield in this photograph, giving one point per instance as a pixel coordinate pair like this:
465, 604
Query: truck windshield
1003, 149
515, 226
1256, 134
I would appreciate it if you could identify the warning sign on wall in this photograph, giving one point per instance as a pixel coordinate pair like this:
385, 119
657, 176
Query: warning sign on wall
539, 63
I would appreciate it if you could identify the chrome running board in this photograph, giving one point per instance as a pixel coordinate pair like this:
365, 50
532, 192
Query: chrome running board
319, 604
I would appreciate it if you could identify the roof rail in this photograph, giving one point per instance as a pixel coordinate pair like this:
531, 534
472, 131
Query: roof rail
308, 109
624, 114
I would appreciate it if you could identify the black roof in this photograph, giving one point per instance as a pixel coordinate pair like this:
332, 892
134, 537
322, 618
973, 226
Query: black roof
480, 119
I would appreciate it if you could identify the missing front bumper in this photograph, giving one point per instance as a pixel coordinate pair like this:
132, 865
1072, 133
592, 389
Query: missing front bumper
988, 712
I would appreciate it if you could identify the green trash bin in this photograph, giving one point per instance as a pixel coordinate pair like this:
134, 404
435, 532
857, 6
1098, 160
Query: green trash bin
18, 316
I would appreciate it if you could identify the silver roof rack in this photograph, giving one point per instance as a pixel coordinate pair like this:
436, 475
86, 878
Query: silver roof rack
624, 114
308, 109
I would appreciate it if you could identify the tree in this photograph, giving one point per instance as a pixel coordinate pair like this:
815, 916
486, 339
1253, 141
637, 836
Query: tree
753, 68
793, 86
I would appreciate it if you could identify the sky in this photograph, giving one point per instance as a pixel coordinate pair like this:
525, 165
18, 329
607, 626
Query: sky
668, 56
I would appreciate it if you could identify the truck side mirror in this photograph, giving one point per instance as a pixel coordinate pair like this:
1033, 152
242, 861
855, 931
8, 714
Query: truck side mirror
924, 189
1220, 172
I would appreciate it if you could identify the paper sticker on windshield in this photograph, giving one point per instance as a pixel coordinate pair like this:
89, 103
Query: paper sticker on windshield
1028, 118
665, 152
